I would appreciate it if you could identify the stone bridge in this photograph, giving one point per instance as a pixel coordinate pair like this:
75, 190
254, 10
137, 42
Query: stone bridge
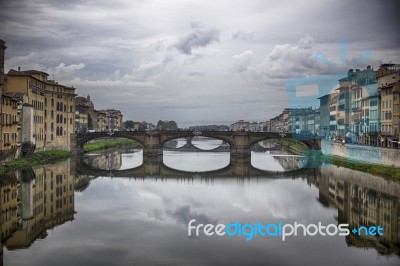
240, 142
153, 166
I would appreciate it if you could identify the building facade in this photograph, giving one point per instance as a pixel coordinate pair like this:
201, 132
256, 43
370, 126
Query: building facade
101, 124
10, 139
84, 114
389, 92
53, 108
114, 119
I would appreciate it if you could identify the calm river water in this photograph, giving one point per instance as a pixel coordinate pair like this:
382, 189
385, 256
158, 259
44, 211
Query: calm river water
121, 209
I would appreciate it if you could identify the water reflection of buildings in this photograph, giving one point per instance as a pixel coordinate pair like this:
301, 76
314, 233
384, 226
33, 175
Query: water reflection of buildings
291, 162
8, 209
109, 161
33, 201
363, 200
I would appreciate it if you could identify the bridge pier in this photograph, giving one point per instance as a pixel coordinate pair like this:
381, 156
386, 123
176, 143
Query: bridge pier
241, 145
152, 145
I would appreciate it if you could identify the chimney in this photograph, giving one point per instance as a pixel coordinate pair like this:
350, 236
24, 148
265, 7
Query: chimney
19, 69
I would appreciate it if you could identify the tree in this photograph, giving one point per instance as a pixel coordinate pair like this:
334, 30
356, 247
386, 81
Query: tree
167, 125
128, 124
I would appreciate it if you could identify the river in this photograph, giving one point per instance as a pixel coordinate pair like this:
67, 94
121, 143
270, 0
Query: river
83, 212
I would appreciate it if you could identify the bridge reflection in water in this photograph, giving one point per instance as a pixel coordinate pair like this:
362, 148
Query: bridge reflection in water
162, 166
42, 198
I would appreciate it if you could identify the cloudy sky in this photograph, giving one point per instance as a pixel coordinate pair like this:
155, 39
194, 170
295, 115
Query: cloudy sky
191, 60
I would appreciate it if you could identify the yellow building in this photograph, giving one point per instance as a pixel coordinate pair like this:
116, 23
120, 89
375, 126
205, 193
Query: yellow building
53, 108
389, 90
9, 121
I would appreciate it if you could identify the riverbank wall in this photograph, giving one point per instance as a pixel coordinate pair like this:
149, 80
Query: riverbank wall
362, 153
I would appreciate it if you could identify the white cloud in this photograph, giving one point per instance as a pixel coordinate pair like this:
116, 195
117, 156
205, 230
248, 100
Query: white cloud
64, 72
287, 60
242, 62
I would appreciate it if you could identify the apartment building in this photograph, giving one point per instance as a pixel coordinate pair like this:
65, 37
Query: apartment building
101, 124
84, 114
9, 126
53, 108
114, 119
389, 91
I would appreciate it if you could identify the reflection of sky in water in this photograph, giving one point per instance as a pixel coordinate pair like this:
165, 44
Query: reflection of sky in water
196, 161
131, 160
200, 142
206, 143
144, 222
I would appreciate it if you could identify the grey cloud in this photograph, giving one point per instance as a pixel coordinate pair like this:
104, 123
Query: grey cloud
195, 73
243, 35
123, 46
149, 69
198, 37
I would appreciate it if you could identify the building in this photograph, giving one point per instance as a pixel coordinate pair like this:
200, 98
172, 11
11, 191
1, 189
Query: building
3, 47
303, 120
370, 116
84, 114
240, 125
333, 114
101, 124
324, 115
343, 111
52, 108
114, 119
9, 127
389, 91
361, 88
280, 123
